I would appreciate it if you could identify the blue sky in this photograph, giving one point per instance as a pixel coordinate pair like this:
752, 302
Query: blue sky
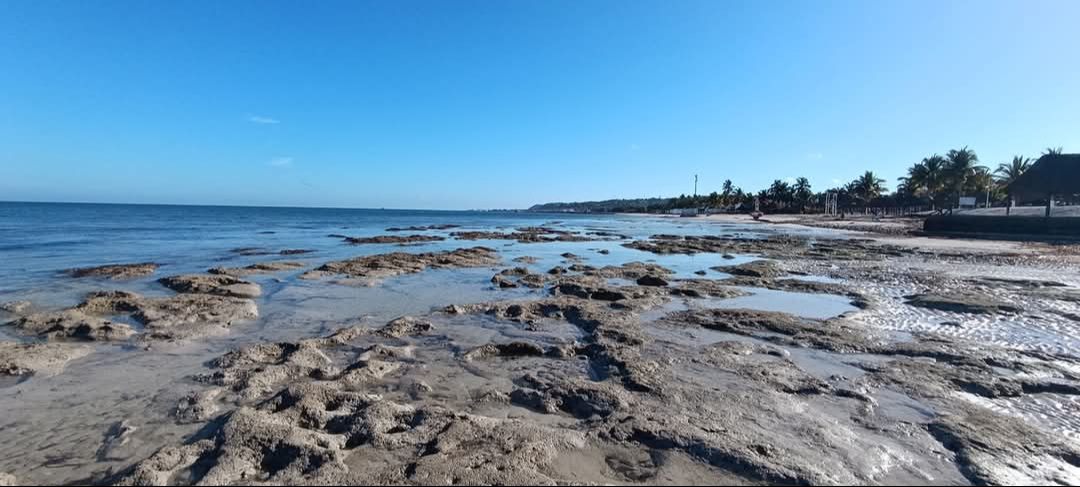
471, 104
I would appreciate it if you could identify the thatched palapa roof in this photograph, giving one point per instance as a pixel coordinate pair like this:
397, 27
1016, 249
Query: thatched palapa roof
1057, 174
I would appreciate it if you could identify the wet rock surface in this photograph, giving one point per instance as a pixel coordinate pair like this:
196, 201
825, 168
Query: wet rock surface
215, 284
422, 228
758, 268
296, 251
519, 276
368, 270
394, 239
176, 317
651, 281
525, 235
15, 307
197, 407
115, 271
259, 268
310, 410
72, 324
251, 251
20, 359
980, 439
506, 350
962, 303
616, 374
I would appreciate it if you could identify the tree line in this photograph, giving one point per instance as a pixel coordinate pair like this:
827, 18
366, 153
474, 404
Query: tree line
935, 182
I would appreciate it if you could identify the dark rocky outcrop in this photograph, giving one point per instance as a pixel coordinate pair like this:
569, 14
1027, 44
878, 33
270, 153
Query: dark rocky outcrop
115, 271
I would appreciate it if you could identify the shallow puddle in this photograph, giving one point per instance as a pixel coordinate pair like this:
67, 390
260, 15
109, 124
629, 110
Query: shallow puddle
816, 306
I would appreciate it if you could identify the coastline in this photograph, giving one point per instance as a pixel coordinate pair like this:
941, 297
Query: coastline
635, 346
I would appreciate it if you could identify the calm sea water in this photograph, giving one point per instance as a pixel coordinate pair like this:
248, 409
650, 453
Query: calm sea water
40, 240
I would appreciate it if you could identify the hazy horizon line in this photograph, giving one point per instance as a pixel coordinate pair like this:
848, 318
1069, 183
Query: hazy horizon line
211, 205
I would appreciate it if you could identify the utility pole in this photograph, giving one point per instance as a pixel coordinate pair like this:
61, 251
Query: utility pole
695, 185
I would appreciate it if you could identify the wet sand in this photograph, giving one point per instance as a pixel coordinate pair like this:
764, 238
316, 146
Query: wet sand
800, 360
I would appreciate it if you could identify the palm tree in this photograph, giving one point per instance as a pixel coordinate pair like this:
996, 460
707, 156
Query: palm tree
935, 174
726, 192
803, 192
915, 181
762, 197
1053, 151
926, 178
1008, 172
960, 168
867, 187
739, 196
713, 200
780, 193
983, 183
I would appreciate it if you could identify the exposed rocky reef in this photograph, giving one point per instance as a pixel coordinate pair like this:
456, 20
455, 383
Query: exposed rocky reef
162, 318
115, 271
369, 270
758, 268
963, 303
259, 268
37, 358
519, 276
525, 235
296, 251
422, 228
215, 284
16, 307
394, 239
343, 408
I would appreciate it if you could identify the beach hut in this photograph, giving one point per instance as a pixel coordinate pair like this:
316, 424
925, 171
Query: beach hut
1051, 176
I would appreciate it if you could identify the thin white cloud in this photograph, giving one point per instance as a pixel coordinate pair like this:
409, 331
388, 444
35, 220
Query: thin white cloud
814, 156
837, 182
263, 120
790, 179
281, 161
634, 146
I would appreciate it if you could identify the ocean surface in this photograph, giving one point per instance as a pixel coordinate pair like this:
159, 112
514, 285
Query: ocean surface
38, 241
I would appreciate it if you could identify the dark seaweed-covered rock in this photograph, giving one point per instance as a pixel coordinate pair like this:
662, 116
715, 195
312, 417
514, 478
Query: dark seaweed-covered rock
260, 268
296, 251
394, 239
506, 350
422, 228
962, 303
758, 268
651, 281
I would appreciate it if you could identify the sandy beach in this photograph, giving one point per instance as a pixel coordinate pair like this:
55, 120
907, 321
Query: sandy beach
620, 351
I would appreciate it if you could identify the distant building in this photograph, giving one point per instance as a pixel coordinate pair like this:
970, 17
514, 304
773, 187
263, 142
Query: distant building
1053, 175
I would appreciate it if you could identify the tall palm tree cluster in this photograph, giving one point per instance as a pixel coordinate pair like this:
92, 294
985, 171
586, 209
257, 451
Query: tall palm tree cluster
942, 180
937, 181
